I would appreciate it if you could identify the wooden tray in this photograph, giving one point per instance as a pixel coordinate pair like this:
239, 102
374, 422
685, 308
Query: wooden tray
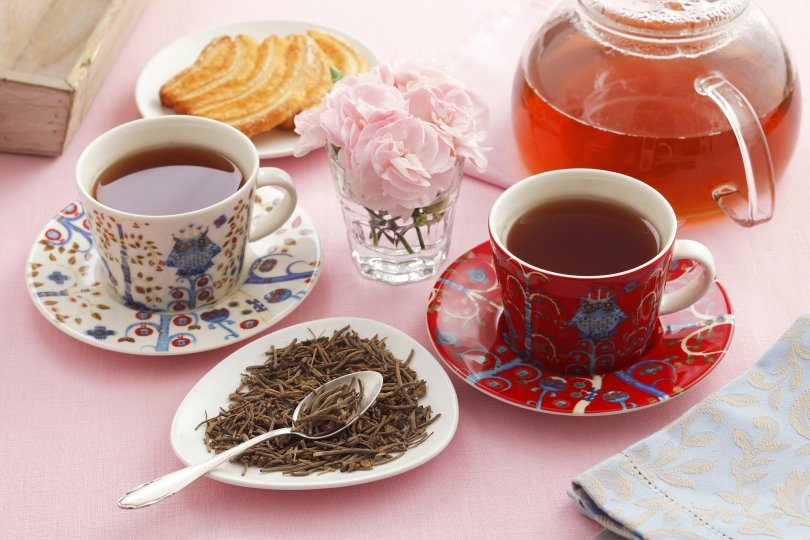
54, 54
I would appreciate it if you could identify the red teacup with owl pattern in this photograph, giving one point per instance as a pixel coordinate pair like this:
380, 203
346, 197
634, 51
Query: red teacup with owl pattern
580, 298
192, 254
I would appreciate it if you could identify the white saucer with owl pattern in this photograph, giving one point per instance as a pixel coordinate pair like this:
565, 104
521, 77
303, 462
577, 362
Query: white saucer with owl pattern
67, 285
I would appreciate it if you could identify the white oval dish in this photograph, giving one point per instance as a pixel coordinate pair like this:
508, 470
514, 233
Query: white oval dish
211, 393
182, 52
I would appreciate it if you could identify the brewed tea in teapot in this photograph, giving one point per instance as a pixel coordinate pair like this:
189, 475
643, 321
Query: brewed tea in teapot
698, 98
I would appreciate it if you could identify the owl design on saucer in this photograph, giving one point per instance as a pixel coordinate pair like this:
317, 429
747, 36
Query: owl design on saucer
193, 252
597, 316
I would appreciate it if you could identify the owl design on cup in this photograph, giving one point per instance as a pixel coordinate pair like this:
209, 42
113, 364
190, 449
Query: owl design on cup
597, 317
193, 252
192, 255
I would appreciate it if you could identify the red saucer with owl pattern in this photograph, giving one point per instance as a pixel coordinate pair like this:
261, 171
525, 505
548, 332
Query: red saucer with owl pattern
466, 328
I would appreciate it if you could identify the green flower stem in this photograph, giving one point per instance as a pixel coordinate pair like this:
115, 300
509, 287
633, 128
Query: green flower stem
390, 238
419, 236
405, 243
383, 225
436, 207
378, 225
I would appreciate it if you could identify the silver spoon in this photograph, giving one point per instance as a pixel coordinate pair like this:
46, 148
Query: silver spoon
158, 489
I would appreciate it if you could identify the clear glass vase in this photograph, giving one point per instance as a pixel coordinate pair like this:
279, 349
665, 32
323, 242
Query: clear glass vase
394, 249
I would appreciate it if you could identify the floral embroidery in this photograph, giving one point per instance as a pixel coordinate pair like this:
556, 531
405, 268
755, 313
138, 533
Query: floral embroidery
736, 465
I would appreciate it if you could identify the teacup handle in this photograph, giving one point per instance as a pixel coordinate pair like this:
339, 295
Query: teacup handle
752, 203
695, 289
271, 176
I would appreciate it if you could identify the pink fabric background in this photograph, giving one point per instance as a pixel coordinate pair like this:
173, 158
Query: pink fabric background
80, 425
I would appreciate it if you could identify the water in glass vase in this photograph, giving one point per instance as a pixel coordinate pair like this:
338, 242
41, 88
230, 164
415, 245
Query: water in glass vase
397, 249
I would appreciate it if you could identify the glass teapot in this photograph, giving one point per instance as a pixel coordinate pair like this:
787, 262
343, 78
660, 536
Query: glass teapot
698, 98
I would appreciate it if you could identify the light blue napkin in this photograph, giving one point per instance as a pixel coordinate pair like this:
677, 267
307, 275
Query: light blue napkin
736, 465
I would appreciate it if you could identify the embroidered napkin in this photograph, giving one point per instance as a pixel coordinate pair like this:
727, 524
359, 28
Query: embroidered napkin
737, 465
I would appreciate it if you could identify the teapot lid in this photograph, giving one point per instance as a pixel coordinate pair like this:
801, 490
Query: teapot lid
664, 18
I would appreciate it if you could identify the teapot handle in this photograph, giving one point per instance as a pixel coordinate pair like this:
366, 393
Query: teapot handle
753, 203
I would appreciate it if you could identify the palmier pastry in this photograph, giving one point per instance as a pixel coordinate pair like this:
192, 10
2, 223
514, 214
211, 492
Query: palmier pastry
256, 87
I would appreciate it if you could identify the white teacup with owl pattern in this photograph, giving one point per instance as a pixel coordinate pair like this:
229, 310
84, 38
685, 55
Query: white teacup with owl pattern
179, 262
584, 325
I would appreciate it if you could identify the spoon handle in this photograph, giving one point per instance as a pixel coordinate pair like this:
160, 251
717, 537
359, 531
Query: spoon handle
158, 489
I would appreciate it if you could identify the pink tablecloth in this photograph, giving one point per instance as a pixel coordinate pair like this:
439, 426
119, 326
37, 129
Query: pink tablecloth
80, 425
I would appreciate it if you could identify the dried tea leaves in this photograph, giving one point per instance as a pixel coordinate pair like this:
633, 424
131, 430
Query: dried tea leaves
329, 410
269, 393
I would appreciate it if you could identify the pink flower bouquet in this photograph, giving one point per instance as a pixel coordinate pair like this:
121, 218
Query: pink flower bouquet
397, 138
398, 131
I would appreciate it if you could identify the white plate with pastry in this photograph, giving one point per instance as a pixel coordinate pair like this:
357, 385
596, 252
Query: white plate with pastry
236, 80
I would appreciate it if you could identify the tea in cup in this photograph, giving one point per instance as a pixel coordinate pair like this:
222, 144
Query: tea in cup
169, 200
581, 257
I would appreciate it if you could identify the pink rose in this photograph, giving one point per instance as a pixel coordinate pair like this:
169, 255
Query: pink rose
312, 135
459, 114
406, 75
441, 100
352, 103
398, 165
